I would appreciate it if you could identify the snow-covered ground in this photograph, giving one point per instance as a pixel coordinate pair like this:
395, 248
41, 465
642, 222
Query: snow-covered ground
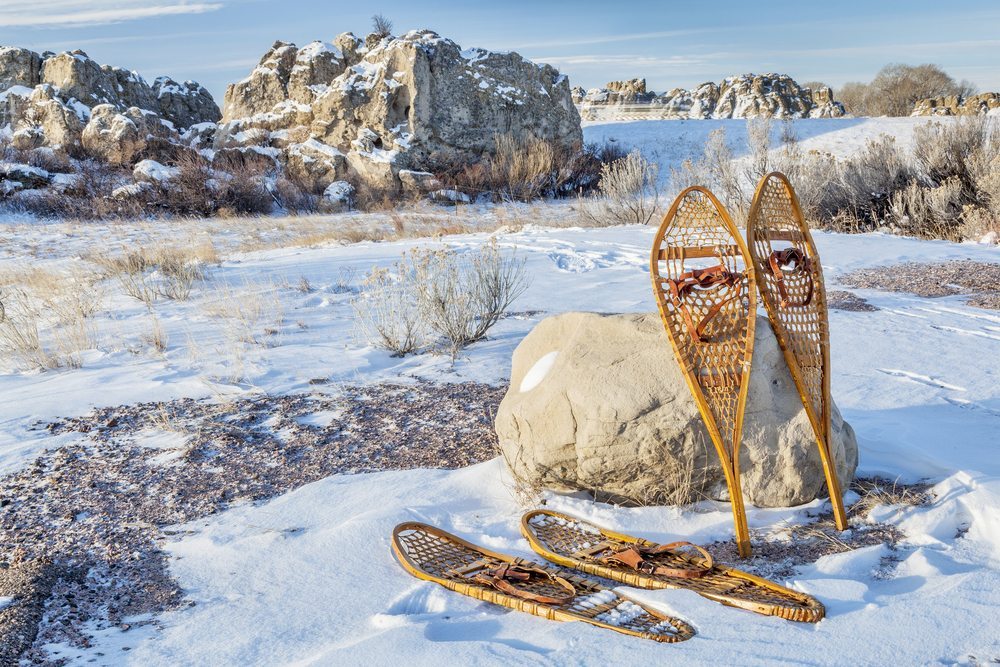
308, 578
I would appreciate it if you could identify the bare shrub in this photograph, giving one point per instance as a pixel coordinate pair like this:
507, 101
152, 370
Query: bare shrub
630, 191
759, 144
157, 336
521, 169
930, 212
866, 181
387, 312
456, 296
191, 190
294, 198
244, 191
716, 169
381, 26
462, 295
943, 151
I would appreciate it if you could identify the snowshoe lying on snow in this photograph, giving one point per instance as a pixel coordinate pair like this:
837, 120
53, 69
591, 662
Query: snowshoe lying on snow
576, 543
432, 554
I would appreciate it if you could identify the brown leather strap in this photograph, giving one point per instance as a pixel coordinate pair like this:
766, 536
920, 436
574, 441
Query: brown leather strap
712, 276
800, 262
500, 578
633, 557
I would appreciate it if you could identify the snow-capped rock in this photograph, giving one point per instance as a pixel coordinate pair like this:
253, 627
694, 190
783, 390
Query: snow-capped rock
745, 96
398, 103
49, 100
957, 105
151, 171
337, 197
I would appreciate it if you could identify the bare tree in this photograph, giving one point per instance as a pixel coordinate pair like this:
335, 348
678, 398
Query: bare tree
381, 26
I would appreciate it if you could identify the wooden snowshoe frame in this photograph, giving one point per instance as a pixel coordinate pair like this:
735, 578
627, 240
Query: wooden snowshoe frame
432, 554
573, 542
795, 298
715, 355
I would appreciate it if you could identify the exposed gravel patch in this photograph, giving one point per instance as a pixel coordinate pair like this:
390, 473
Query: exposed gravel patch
844, 300
778, 552
96, 510
979, 279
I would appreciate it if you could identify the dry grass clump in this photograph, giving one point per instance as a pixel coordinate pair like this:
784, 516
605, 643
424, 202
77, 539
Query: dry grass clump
164, 271
48, 317
249, 318
442, 294
875, 491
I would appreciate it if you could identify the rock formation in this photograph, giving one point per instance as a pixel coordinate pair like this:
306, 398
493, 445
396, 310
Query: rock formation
366, 110
957, 105
598, 403
746, 96
70, 102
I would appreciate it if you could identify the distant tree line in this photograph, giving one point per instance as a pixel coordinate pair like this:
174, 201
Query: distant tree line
896, 88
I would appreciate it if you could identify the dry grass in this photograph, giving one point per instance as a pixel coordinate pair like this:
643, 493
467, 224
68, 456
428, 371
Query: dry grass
148, 273
48, 316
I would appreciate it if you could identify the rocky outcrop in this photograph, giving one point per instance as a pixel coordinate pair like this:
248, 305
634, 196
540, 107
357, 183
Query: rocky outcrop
365, 110
957, 105
598, 403
746, 96
70, 102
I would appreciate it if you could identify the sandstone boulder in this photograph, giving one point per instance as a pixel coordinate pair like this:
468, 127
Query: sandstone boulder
184, 104
119, 138
598, 403
19, 67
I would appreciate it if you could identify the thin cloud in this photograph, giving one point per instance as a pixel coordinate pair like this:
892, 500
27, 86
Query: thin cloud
55, 13
608, 39
630, 60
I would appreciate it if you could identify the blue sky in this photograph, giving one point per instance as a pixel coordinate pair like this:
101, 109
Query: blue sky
670, 43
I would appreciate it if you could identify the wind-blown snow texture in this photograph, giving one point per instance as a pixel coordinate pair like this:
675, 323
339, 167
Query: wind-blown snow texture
308, 578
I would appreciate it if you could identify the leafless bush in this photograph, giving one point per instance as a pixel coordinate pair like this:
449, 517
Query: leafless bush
759, 144
381, 26
294, 198
521, 169
387, 311
930, 212
462, 295
630, 191
944, 151
456, 296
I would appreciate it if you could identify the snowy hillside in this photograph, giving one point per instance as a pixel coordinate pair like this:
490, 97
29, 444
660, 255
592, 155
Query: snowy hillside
307, 577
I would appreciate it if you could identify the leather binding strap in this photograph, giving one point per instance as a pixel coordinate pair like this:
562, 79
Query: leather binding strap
500, 578
799, 262
634, 557
713, 276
